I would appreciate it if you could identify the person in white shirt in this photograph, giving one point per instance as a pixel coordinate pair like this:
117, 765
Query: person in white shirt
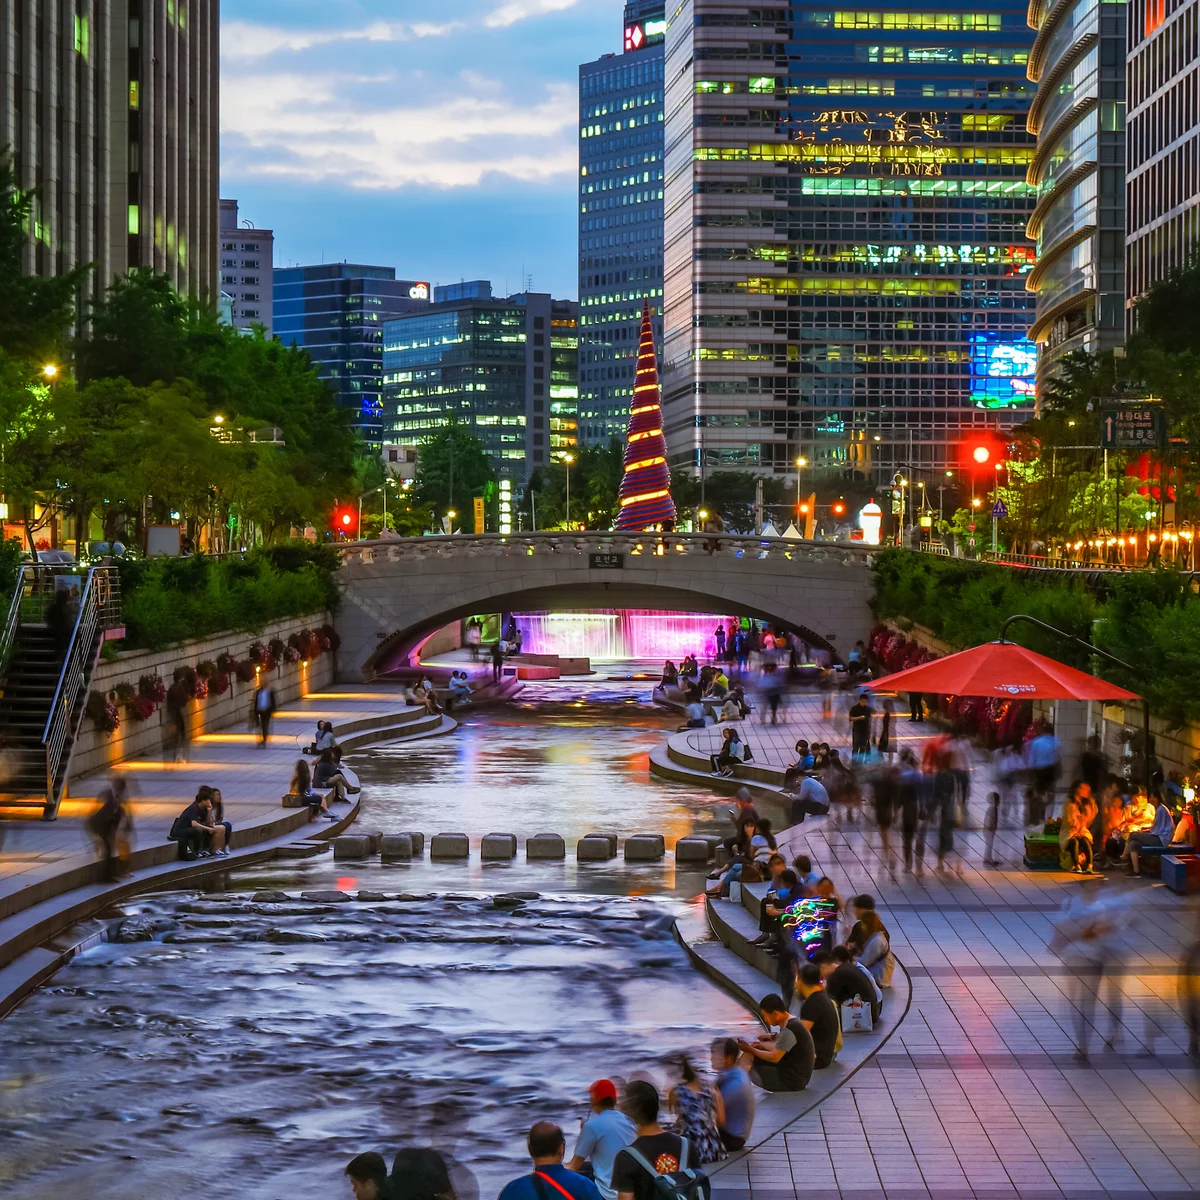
1159, 834
604, 1135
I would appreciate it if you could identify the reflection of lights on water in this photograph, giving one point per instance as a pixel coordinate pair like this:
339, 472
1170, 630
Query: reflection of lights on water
628, 633
346, 882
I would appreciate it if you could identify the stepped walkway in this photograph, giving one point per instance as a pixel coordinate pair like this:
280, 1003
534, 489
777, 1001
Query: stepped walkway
49, 876
977, 1092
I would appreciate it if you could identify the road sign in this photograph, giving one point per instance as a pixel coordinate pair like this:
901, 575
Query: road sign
478, 514
970, 526
1133, 427
999, 509
606, 561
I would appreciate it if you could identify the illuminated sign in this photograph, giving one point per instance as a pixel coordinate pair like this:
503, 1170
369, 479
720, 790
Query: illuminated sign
1002, 369
419, 291
646, 34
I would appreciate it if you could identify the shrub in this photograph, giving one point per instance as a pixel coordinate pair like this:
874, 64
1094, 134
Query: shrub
125, 692
206, 669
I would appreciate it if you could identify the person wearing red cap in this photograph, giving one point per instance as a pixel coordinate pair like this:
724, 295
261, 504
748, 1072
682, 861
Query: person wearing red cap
604, 1134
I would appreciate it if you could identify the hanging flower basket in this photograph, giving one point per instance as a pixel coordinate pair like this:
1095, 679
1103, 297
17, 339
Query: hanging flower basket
103, 712
142, 708
219, 684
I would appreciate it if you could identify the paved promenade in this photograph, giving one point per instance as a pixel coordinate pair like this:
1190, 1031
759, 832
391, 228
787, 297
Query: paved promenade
251, 778
979, 1092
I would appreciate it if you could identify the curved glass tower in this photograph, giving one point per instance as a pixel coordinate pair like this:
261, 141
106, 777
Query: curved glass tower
1078, 114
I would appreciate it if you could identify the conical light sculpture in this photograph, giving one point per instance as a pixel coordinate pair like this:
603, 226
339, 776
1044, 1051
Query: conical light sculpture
646, 485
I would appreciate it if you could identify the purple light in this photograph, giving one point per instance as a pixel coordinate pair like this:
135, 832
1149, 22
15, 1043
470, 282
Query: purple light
621, 633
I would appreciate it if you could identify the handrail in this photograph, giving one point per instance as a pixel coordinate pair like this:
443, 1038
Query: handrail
78, 663
14, 618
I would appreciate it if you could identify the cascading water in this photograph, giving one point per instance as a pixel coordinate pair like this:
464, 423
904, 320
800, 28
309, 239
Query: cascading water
620, 633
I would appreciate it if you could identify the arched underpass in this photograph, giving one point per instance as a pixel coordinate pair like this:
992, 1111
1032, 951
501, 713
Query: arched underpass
399, 591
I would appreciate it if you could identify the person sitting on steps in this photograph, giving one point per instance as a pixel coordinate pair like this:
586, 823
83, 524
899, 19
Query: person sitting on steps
301, 786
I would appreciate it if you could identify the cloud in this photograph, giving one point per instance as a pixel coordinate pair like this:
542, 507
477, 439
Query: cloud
521, 10
244, 40
339, 129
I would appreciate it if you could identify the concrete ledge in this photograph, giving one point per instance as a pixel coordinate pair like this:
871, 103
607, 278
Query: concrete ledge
644, 847
497, 846
545, 845
450, 845
594, 848
396, 845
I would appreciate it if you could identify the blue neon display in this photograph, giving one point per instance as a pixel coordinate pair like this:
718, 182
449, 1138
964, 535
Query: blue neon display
1002, 369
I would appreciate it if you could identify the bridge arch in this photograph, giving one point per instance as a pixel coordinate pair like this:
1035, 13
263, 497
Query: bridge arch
398, 592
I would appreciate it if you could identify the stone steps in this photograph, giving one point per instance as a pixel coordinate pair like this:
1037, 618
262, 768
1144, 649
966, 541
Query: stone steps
390, 730
680, 768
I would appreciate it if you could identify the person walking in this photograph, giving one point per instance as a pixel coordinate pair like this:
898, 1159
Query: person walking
737, 1095
106, 826
178, 733
916, 706
991, 820
908, 800
497, 656
264, 710
719, 638
699, 1110
885, 747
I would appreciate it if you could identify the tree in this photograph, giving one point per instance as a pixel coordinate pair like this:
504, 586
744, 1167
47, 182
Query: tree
595, 485
35, 312
452, 467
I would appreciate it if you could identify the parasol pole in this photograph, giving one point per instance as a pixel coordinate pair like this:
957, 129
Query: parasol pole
1120, 662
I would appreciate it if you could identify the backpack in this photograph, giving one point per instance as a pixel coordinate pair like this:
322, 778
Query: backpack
685, 1184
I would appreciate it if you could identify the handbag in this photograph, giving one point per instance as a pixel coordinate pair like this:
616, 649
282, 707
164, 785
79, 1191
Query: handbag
856, 1016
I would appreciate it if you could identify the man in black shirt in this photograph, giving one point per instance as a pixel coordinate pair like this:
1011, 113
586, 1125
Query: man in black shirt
845, 979
663, 1151
860, 726
781, 1062
819, 1014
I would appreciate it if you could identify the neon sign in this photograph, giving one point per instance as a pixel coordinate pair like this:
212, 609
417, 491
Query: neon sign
646, 34
419, 291
1002, 369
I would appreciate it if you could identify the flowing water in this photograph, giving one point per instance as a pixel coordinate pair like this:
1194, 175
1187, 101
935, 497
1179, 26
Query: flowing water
253, 1047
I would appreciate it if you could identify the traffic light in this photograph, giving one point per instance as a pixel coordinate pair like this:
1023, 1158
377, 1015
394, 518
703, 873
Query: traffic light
985, 453
345, 521
839, 508
803, 508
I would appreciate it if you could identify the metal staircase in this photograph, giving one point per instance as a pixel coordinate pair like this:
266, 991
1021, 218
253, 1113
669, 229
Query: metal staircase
44, 683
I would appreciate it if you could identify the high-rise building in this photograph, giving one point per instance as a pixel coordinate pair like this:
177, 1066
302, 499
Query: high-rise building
247, 270
620, 216
1078, 62
336, 312
1162, 190
845, 254
110, 109
507, 368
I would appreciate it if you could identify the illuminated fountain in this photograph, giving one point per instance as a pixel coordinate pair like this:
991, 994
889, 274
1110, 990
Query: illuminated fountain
621, 633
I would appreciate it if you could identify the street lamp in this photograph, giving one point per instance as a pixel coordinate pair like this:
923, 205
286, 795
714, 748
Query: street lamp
50, 370
568, 459
801, 463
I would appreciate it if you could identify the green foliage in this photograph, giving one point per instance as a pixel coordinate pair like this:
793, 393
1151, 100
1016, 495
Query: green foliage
730, 494
595, 488
1150, 620
168, 600
452, 467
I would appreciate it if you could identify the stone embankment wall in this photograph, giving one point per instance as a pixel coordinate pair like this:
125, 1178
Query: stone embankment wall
96, 750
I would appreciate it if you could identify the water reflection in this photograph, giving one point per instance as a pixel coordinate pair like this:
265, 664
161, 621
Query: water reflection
254, 1048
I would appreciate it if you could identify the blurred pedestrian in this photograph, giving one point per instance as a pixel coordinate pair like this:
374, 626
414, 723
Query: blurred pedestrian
860, 727
421, 1173
603, 1135
1043, 758
908, 800
178, 734
916, 706
549, 1177
699, 1112
991, 819
737, 1095
885, 747
110, 828
263, 710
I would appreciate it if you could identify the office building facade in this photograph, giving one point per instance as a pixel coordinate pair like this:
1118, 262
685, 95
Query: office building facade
336, 312
845, 245
1078, 115
620, 216
110, 110
1162, 189
247, 270
506, 368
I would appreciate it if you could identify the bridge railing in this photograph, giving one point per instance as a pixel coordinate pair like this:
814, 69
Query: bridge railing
506, 545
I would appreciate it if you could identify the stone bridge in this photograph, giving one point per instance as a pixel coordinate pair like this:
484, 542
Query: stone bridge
399, 591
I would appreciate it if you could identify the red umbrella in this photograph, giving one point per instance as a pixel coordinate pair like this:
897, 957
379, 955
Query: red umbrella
1005, 670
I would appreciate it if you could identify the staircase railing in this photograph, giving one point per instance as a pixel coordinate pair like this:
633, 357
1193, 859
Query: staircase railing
99, 609
25, 577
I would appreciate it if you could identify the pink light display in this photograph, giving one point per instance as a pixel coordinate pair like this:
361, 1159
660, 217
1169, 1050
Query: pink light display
620, 633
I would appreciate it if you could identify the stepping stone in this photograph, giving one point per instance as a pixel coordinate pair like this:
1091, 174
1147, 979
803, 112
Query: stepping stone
690, 850
594, 848
498, 846
545, 845
270, 896
611, 838
376, 841
450, 845
352, 845
418, 843
372, 897
644, 847
396, 845
328, 896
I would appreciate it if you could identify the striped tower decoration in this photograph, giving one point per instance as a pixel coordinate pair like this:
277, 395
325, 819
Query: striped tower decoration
646, 485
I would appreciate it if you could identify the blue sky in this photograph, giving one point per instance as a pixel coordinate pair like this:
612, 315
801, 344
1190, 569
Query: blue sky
435, 137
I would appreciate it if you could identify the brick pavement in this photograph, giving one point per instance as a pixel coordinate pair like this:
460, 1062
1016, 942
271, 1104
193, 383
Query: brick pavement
251, 780
979, 1093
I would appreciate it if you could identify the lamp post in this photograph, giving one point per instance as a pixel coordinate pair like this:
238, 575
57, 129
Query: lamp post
568, 459
801, 463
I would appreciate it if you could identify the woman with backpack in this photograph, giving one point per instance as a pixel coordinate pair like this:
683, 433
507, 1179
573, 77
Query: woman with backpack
699, 1112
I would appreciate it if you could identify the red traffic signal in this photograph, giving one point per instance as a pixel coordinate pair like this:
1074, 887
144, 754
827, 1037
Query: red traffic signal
985, 453
839, 508
345, 521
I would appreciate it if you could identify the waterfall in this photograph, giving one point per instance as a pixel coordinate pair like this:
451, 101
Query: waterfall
620, 633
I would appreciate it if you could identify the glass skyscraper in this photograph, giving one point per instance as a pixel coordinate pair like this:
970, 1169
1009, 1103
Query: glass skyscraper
846, 253
620, 216
336, 312
507, 368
